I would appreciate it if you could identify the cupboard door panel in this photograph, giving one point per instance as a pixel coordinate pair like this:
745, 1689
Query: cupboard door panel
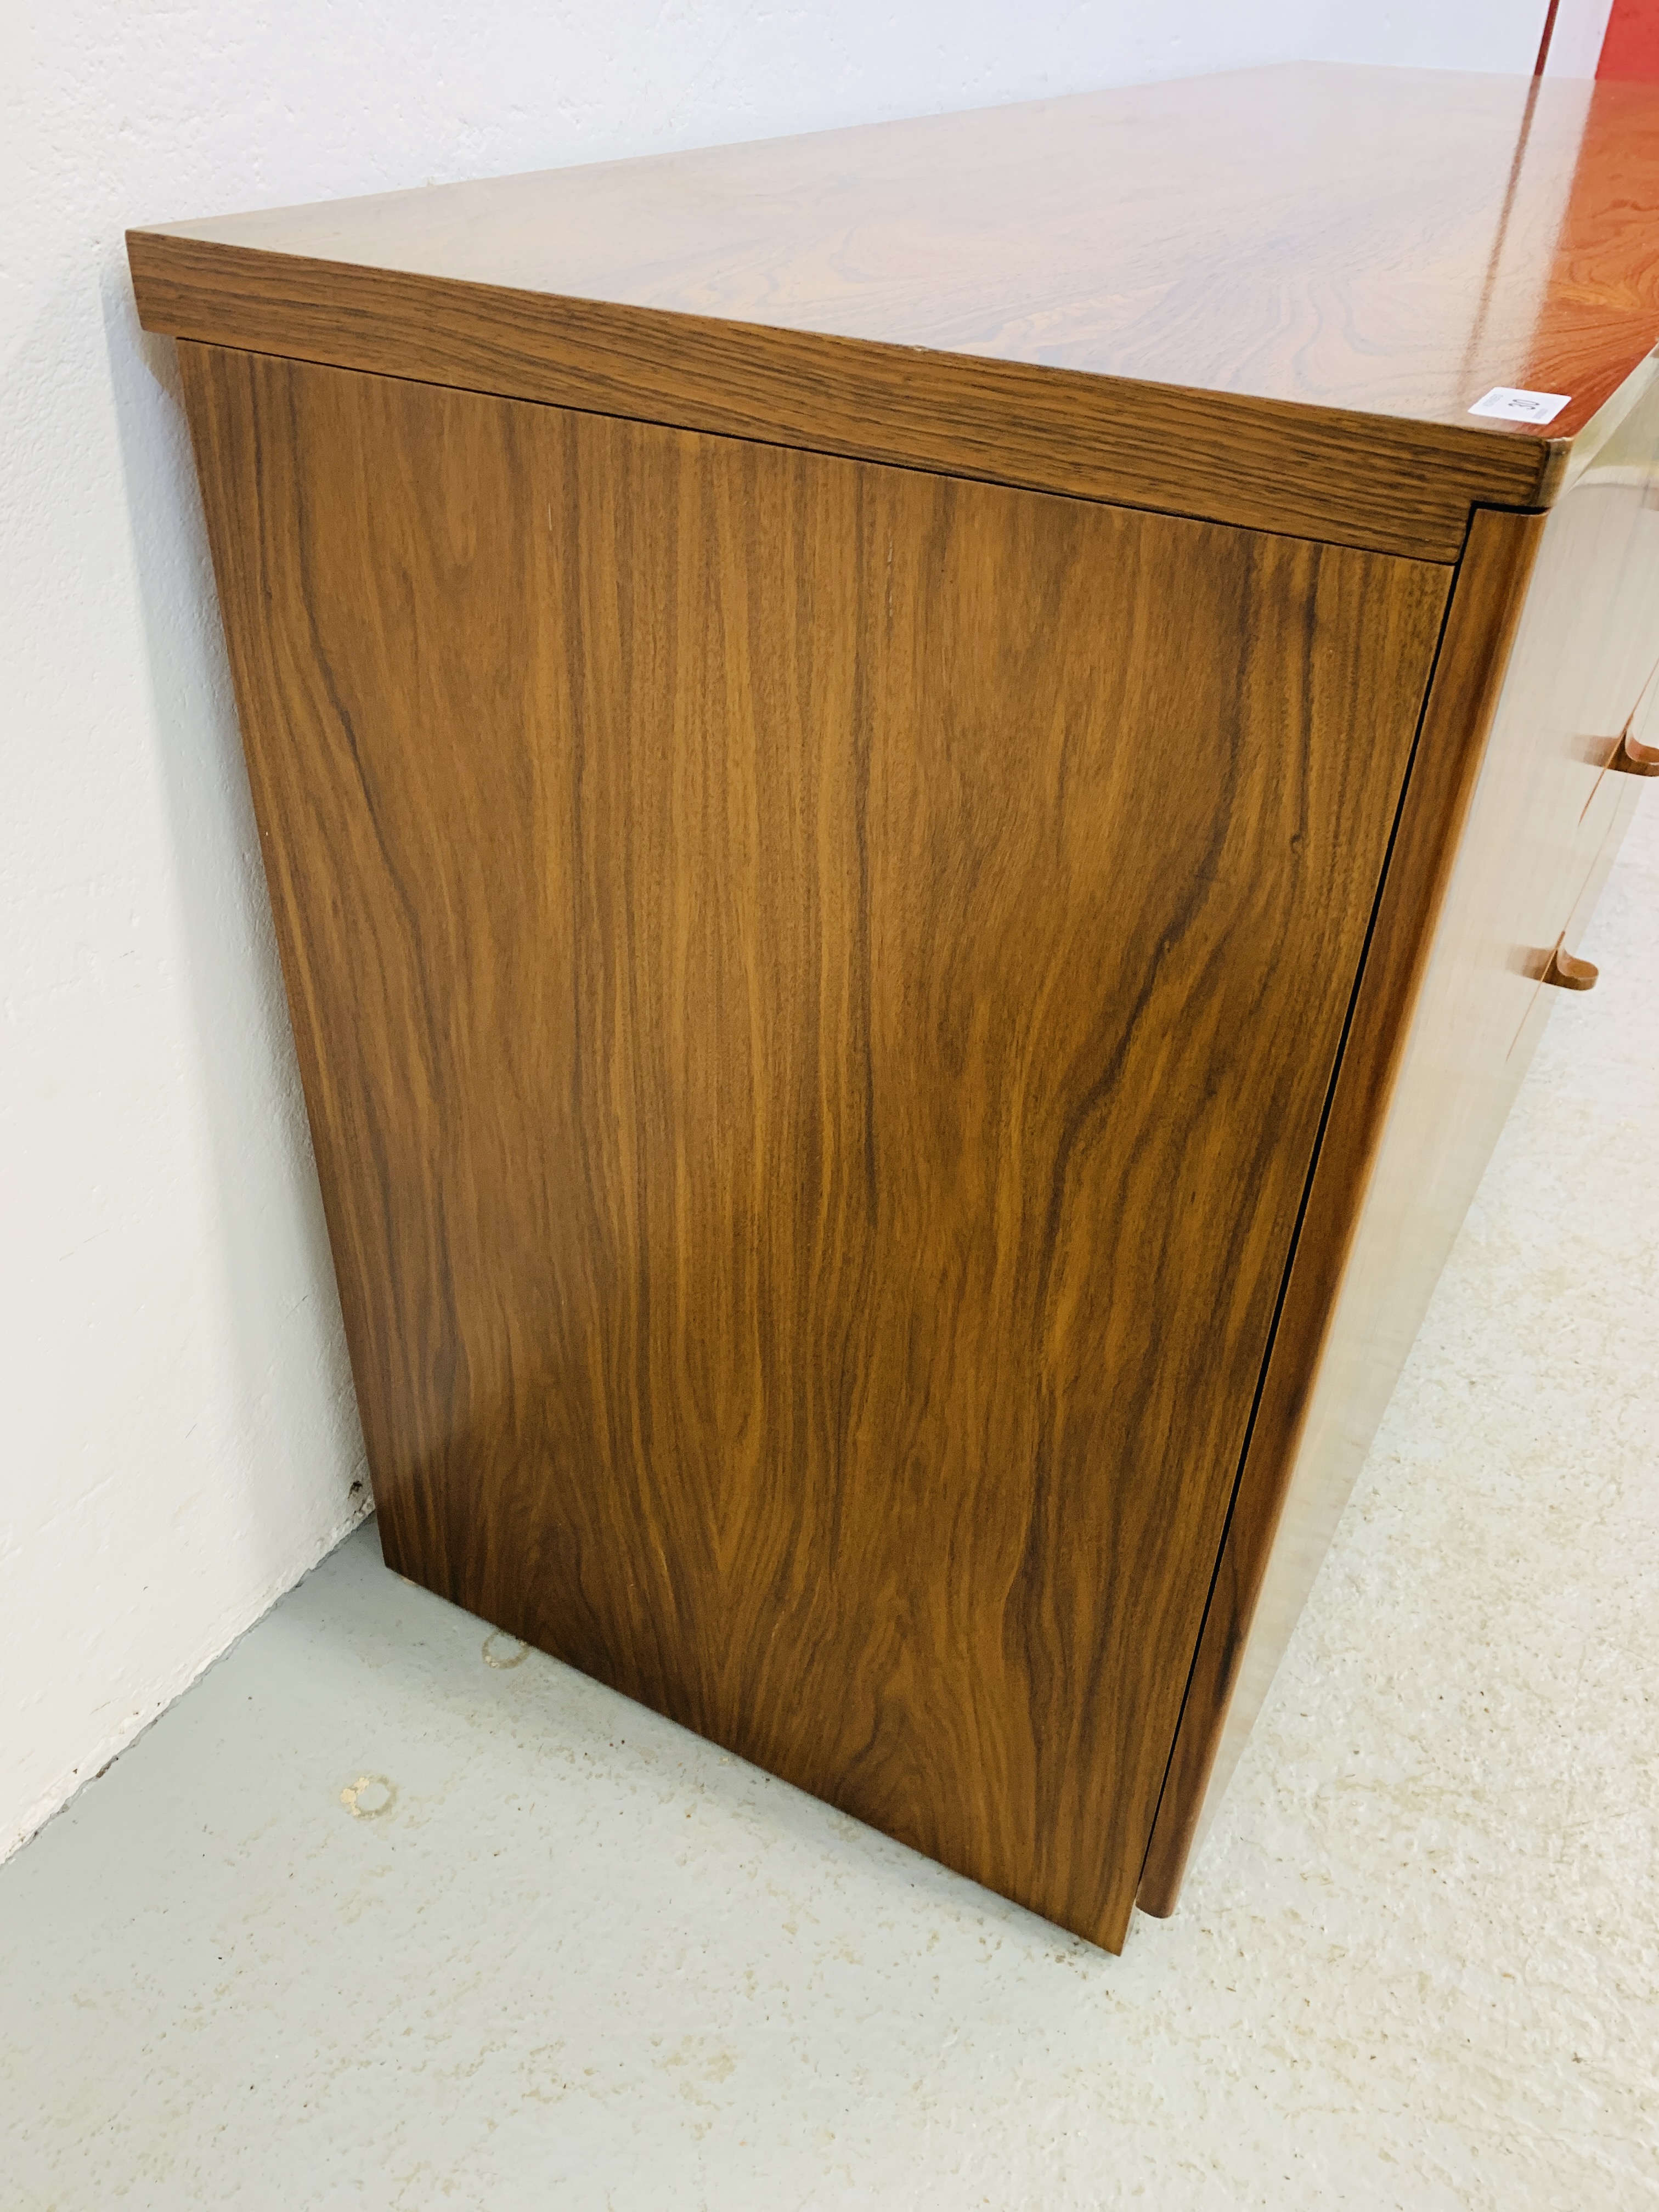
816, 985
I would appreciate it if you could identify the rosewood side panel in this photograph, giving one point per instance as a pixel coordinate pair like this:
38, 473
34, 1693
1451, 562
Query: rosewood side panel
816, 985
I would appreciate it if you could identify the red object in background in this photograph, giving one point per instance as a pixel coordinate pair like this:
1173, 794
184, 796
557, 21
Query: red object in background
1630, 50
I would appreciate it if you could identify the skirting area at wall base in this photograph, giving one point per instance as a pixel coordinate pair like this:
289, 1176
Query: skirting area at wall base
122, 1734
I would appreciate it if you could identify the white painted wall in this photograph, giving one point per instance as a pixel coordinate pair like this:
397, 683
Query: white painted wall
177, 1439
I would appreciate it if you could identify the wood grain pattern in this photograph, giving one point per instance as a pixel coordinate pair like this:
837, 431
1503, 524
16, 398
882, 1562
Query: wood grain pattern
814, 986
1376, 241
1488, 873
1267, 298
1600, 294
1215, 1718
1377, 482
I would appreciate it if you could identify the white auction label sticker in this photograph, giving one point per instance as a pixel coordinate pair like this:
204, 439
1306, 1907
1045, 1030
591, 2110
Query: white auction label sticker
1512, 406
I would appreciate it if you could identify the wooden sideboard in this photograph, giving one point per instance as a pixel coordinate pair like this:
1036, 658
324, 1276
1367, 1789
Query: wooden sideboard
923, 789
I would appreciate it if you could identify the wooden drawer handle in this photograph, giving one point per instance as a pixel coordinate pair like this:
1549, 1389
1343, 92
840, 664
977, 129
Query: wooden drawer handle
1631, 758
1568, 972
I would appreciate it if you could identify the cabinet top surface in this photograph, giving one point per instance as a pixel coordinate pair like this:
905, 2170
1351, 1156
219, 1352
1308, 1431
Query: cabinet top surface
1397, 241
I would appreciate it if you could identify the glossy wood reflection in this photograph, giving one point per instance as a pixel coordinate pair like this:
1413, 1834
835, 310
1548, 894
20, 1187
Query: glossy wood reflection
1267, 298
1599, 304
816, 985
1381, 483
1382, 241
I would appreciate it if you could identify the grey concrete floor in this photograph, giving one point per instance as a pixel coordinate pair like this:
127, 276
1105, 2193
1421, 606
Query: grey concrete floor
387, 1912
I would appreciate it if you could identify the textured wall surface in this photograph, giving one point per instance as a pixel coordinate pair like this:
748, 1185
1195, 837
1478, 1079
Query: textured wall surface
179, 1441
390, 1914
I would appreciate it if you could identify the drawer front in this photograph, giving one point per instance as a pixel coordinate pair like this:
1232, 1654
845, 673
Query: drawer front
1549, 800
1544, 825
1586, 673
